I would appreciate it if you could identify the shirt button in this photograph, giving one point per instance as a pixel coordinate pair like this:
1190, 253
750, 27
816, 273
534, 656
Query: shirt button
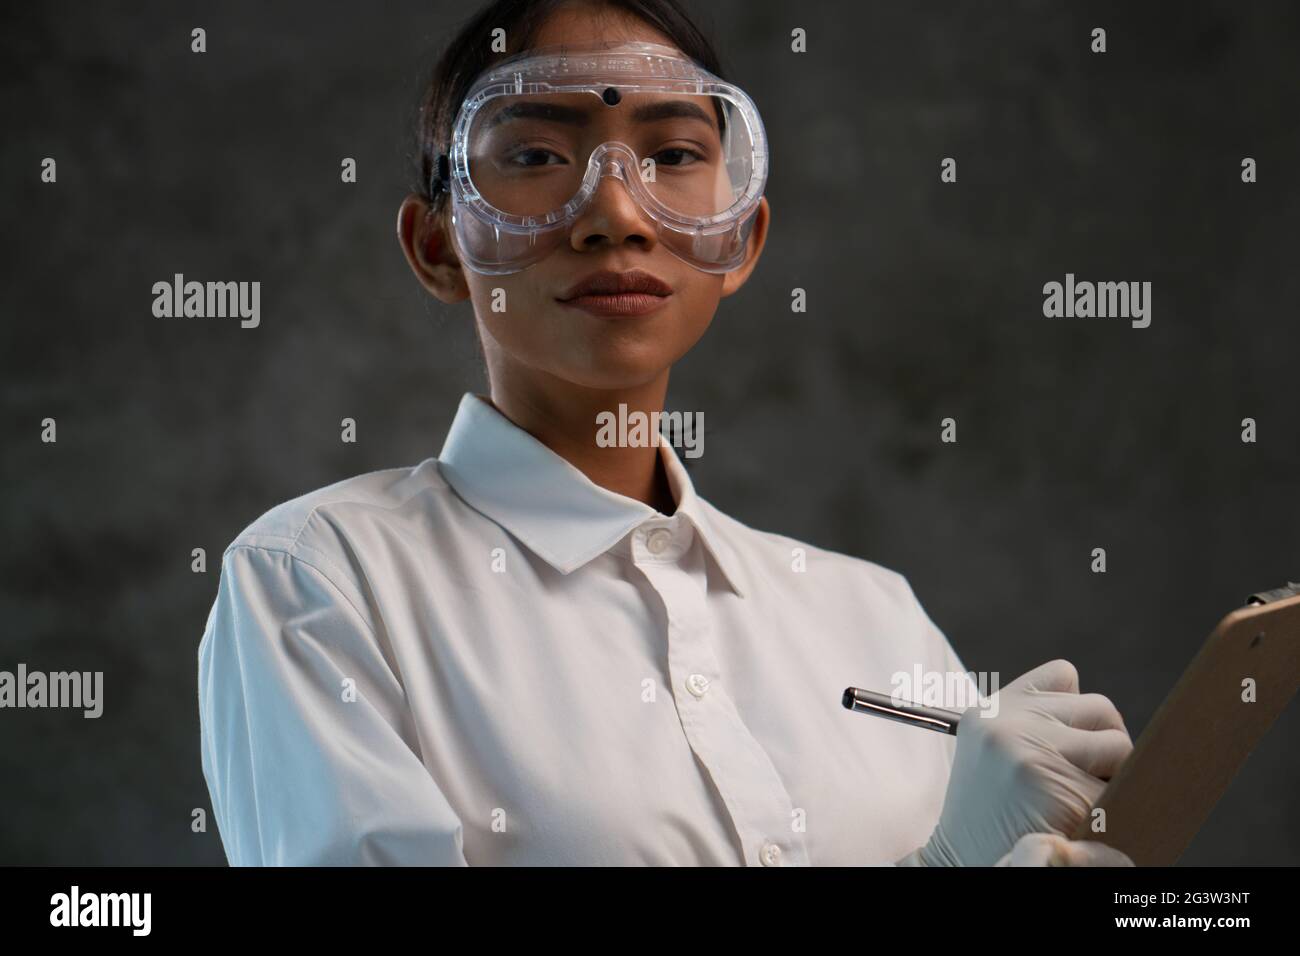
771, 855
657, 540
697, 684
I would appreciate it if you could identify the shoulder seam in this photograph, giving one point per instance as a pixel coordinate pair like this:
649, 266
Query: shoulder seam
246, 535
290, 553
320, 504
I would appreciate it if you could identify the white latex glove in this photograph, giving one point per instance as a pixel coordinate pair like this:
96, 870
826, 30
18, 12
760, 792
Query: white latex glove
1051, 849
1037, 766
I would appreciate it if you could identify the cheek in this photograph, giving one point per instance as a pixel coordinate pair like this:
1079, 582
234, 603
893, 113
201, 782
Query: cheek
699, 302
693, 312
523, 321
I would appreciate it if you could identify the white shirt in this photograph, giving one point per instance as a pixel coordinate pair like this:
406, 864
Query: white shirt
488, 659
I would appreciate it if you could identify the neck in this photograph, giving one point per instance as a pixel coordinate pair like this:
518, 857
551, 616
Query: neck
563, 417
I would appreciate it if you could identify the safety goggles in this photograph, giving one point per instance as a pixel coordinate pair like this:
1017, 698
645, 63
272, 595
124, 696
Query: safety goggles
538, 132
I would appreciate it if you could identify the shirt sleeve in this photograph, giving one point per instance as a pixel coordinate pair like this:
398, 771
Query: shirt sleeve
949, 662
940, 649
308, 747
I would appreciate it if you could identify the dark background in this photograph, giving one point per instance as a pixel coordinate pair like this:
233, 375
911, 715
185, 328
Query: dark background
924, 302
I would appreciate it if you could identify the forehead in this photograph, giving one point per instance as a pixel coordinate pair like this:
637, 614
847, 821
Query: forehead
578, 26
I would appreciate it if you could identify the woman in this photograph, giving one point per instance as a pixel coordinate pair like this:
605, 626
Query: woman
542, 647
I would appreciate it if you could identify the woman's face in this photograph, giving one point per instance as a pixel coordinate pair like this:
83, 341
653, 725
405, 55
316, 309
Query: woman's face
540, 337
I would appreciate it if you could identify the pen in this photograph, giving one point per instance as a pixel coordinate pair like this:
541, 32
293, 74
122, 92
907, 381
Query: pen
882, 705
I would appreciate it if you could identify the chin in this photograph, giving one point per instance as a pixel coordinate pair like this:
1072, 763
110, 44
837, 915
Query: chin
617, 372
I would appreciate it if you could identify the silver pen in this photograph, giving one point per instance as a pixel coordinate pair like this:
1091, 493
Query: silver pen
882, 705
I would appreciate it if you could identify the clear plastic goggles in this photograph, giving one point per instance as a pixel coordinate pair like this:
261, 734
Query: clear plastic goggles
537, 133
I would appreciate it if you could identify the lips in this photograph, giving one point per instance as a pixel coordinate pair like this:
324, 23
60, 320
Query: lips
611, 294
606, 283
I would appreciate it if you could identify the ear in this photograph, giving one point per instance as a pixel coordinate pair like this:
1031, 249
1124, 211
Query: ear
427, 246
734, 279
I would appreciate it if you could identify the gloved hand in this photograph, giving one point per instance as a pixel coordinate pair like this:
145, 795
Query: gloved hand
1052, 849
1035, 766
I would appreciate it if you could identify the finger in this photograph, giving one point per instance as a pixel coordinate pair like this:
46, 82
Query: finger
1089, 853
1097, 752
1058, 675
1034, 849
1082, 711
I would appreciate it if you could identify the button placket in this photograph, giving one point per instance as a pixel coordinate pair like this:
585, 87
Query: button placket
750, 787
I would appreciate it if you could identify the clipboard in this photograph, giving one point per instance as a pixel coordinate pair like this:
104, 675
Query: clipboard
1197, 741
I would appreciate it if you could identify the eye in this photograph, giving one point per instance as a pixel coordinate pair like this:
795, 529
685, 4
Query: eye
677, 156
535, 156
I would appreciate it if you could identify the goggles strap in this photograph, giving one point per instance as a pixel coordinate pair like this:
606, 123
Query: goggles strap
441, 180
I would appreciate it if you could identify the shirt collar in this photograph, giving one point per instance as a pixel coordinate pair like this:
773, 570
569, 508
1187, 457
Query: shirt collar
549, 504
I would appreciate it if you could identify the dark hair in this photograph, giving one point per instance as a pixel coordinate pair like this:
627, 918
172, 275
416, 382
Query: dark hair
469, 53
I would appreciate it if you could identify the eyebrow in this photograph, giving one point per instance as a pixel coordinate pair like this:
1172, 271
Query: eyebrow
555, 112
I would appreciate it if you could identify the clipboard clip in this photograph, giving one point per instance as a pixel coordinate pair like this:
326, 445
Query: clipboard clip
1290, 590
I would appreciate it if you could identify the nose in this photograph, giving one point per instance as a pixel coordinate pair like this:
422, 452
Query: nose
611, 218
